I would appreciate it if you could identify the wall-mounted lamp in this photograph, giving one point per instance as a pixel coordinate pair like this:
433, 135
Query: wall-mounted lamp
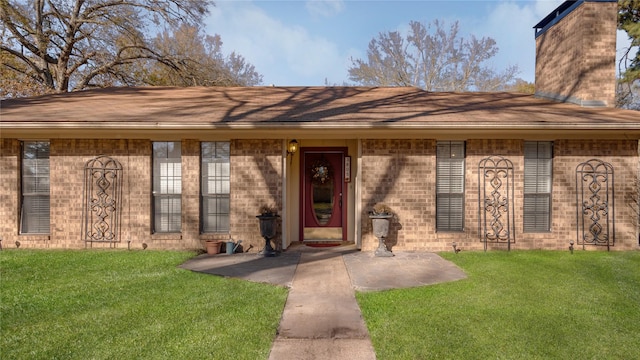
292, 148
571, 246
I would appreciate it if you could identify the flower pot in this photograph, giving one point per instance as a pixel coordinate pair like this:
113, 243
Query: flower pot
213, 247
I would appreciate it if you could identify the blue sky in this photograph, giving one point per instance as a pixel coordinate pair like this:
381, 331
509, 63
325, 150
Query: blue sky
302, 43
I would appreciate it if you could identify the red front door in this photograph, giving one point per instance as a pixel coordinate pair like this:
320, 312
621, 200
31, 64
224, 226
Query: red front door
323, 194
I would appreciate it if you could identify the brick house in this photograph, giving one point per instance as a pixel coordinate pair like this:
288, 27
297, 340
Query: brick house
172, 167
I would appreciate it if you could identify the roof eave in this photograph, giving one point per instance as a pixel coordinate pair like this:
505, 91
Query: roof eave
277, 130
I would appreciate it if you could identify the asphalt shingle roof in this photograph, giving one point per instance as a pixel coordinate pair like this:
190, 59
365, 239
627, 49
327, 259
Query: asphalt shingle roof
297, 107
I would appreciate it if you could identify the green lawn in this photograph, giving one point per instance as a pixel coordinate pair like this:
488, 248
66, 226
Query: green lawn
139, 305
517, 305
129, 305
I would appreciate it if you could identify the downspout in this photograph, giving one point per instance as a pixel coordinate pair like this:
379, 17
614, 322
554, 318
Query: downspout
129, 237
358, 197
285, 191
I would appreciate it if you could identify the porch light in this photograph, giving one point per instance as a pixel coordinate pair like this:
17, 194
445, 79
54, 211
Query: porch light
292, 148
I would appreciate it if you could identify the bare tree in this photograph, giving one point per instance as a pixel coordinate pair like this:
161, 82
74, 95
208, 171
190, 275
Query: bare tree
196, 59
435, 59
66, 45
628, 95
628, 90
629, 21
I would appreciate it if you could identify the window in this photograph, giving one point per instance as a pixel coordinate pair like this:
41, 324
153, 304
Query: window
34, 214
214, 187
167, 187
538, 157
450, 185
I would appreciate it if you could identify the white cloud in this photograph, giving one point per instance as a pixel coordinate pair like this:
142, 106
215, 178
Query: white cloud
278, 51
292, 55
511, 23
324, 7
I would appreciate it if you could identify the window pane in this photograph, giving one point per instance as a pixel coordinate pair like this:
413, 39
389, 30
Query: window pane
449, 213
538, 165
450, 185
167, 213
215, 186
544, 176
170, 178
35, 213
167, 186
536, 213
215, 212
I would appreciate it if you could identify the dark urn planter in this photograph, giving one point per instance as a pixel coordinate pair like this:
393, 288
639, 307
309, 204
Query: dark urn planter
268, 231
380, 224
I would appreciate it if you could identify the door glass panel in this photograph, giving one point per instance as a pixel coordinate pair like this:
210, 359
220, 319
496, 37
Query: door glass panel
322, 190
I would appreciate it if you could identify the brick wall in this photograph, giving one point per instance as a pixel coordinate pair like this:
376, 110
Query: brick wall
575, 58
67, 162
477, 150
256, 180
402, 175
254, 163
10, 193
623, 157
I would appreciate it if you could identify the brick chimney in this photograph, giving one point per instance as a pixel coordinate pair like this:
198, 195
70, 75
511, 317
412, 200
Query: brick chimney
576, 53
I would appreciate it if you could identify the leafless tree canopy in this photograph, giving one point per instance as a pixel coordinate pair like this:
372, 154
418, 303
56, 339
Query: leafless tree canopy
67, 45
196, 59
433, 58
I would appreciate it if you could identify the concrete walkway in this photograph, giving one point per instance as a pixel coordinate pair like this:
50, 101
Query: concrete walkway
321, 318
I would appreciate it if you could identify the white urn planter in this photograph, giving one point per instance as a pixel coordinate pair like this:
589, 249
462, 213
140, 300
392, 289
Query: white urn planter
380, 224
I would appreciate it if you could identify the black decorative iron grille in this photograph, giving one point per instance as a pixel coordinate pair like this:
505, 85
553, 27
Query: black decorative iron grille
595, 204
102, 200
495, 201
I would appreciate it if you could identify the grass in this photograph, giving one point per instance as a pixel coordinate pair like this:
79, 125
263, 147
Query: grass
517, 305
139, 305
129, 305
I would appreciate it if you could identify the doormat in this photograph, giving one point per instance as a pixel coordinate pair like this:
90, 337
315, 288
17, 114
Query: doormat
323, 245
